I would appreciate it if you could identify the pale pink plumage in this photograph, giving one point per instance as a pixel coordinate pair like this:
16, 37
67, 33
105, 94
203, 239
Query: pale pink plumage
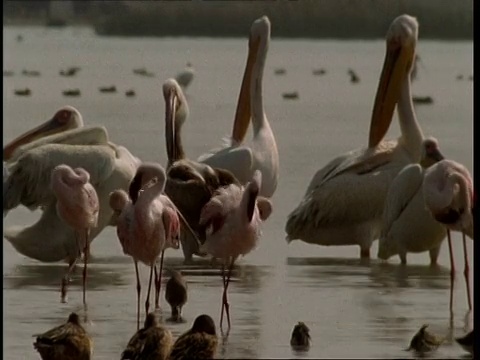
448, 194
233, 217
78, 206
148, 224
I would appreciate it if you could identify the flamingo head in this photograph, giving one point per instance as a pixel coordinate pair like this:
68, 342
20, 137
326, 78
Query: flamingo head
430, 152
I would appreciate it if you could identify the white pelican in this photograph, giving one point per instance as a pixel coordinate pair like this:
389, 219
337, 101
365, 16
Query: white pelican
407, 224
190, 184
110, 167
344, 202
185, 77
242, 160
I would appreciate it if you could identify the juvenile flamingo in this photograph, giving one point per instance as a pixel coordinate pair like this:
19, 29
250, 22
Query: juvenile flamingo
78, 206
448, 194
232, 218
149, 224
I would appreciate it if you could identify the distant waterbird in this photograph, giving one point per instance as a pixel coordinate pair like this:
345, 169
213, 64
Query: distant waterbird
185, 77
424, 341
23, 92
300, 339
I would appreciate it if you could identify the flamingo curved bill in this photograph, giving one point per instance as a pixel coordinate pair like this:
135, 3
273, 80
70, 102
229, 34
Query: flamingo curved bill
398, 60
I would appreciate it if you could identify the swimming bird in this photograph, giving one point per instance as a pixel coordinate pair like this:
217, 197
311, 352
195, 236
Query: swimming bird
240, 159
78, 206
110, 167
344, 201
154, 226
354, 78
176, 294
407, 225
23, 92
466, 342
71, 92
233, 217
190, 184
300, 339
69, 341
423, 341
152, 342
449, 197
108, 89
185, 77
200, 342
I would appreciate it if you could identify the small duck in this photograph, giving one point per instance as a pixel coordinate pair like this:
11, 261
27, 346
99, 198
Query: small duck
176, 294
280, 71
466, 342
354, 78
200, 342
69, 341
423, 341
300, 337
23, 92
31, 73
108, 89
290, 95
143, 72
318, 72
151, 342
130, 93
71, 92
71, 71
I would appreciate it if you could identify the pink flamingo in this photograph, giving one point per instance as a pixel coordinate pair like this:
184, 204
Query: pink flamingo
448, 193
146, 225
232, 219
78, 206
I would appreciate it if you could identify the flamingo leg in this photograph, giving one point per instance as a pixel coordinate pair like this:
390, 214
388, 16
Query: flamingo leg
147, 302
66, 277
86, 251
158, 285
138, 293
452, 268
224, 295
225, 300
466, 271
157, 290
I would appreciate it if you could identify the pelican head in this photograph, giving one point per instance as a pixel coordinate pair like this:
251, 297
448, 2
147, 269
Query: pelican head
176, 112
401, 42
64, 119
257, 48
430, 152
146, 172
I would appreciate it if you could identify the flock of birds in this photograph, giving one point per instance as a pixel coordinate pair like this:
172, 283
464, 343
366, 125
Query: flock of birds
403, 192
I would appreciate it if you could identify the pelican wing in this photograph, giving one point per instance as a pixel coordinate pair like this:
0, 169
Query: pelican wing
92, 135
238, 160
359, 161
29, 180
402, 190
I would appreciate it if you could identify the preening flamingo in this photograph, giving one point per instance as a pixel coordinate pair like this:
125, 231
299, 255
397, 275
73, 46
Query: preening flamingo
78, 206
190, 184
448, 195
233, 218
110, 167
344, 201
240, 159
407, 225
151, 223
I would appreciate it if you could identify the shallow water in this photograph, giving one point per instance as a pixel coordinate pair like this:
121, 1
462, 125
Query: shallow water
353, 309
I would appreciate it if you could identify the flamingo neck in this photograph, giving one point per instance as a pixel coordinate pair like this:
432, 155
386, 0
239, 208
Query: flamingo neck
412, 135
173, 140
